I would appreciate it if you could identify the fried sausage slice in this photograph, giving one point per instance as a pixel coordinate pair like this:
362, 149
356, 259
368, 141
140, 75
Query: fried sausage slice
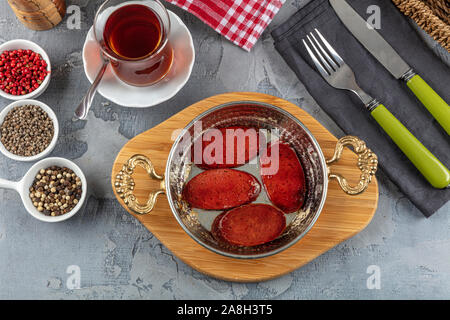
285, 181
242, 145
221, 189
249, 225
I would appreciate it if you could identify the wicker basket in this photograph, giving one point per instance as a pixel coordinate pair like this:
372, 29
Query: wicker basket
433, 16
39, 14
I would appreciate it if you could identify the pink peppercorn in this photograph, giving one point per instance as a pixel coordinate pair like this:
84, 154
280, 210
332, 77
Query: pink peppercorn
21, 71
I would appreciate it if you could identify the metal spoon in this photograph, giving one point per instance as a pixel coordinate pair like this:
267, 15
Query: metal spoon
83, 108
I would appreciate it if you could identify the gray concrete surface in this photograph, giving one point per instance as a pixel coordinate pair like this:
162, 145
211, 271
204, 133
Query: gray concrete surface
120, 259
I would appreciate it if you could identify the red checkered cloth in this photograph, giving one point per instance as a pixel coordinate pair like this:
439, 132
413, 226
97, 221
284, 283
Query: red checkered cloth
240, 21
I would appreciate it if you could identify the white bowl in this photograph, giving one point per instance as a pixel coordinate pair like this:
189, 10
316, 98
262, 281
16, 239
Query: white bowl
27, 45
23, 188
52, 116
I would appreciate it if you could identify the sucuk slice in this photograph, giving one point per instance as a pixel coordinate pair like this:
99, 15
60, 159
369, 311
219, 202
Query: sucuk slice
249, 225
207, 160
286, 186
221, 189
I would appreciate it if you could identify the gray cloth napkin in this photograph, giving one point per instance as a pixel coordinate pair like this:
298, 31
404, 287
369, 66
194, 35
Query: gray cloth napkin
349, 113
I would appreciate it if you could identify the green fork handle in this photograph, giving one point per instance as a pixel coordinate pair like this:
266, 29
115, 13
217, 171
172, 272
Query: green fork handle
431, 100
430, 167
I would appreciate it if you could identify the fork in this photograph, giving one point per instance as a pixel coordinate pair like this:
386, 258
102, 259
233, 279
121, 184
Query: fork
339, 75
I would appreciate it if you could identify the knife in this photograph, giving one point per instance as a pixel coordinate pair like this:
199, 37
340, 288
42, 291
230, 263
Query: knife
390, 59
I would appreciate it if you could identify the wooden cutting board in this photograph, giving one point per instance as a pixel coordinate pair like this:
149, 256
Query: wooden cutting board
342, 217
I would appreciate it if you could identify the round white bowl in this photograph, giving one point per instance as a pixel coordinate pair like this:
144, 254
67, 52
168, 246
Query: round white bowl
52, 116
27, 45
23, 188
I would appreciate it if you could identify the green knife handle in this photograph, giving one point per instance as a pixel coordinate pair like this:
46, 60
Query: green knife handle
432, 101
430, 167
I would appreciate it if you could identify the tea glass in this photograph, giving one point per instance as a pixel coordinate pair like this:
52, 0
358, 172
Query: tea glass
143, 71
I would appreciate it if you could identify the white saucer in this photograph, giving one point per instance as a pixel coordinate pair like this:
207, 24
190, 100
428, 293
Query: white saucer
125, 95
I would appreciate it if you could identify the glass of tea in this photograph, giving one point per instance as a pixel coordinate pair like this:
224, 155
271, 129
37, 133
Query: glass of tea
133, 35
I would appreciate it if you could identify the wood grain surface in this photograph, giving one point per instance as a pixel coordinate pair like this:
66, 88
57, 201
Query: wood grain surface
39, 14
342, 217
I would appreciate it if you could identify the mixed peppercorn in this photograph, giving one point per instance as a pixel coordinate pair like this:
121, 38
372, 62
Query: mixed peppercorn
21, 71
56, 191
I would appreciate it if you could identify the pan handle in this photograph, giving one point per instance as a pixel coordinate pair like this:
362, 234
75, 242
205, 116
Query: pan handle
124, 184
367, 163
